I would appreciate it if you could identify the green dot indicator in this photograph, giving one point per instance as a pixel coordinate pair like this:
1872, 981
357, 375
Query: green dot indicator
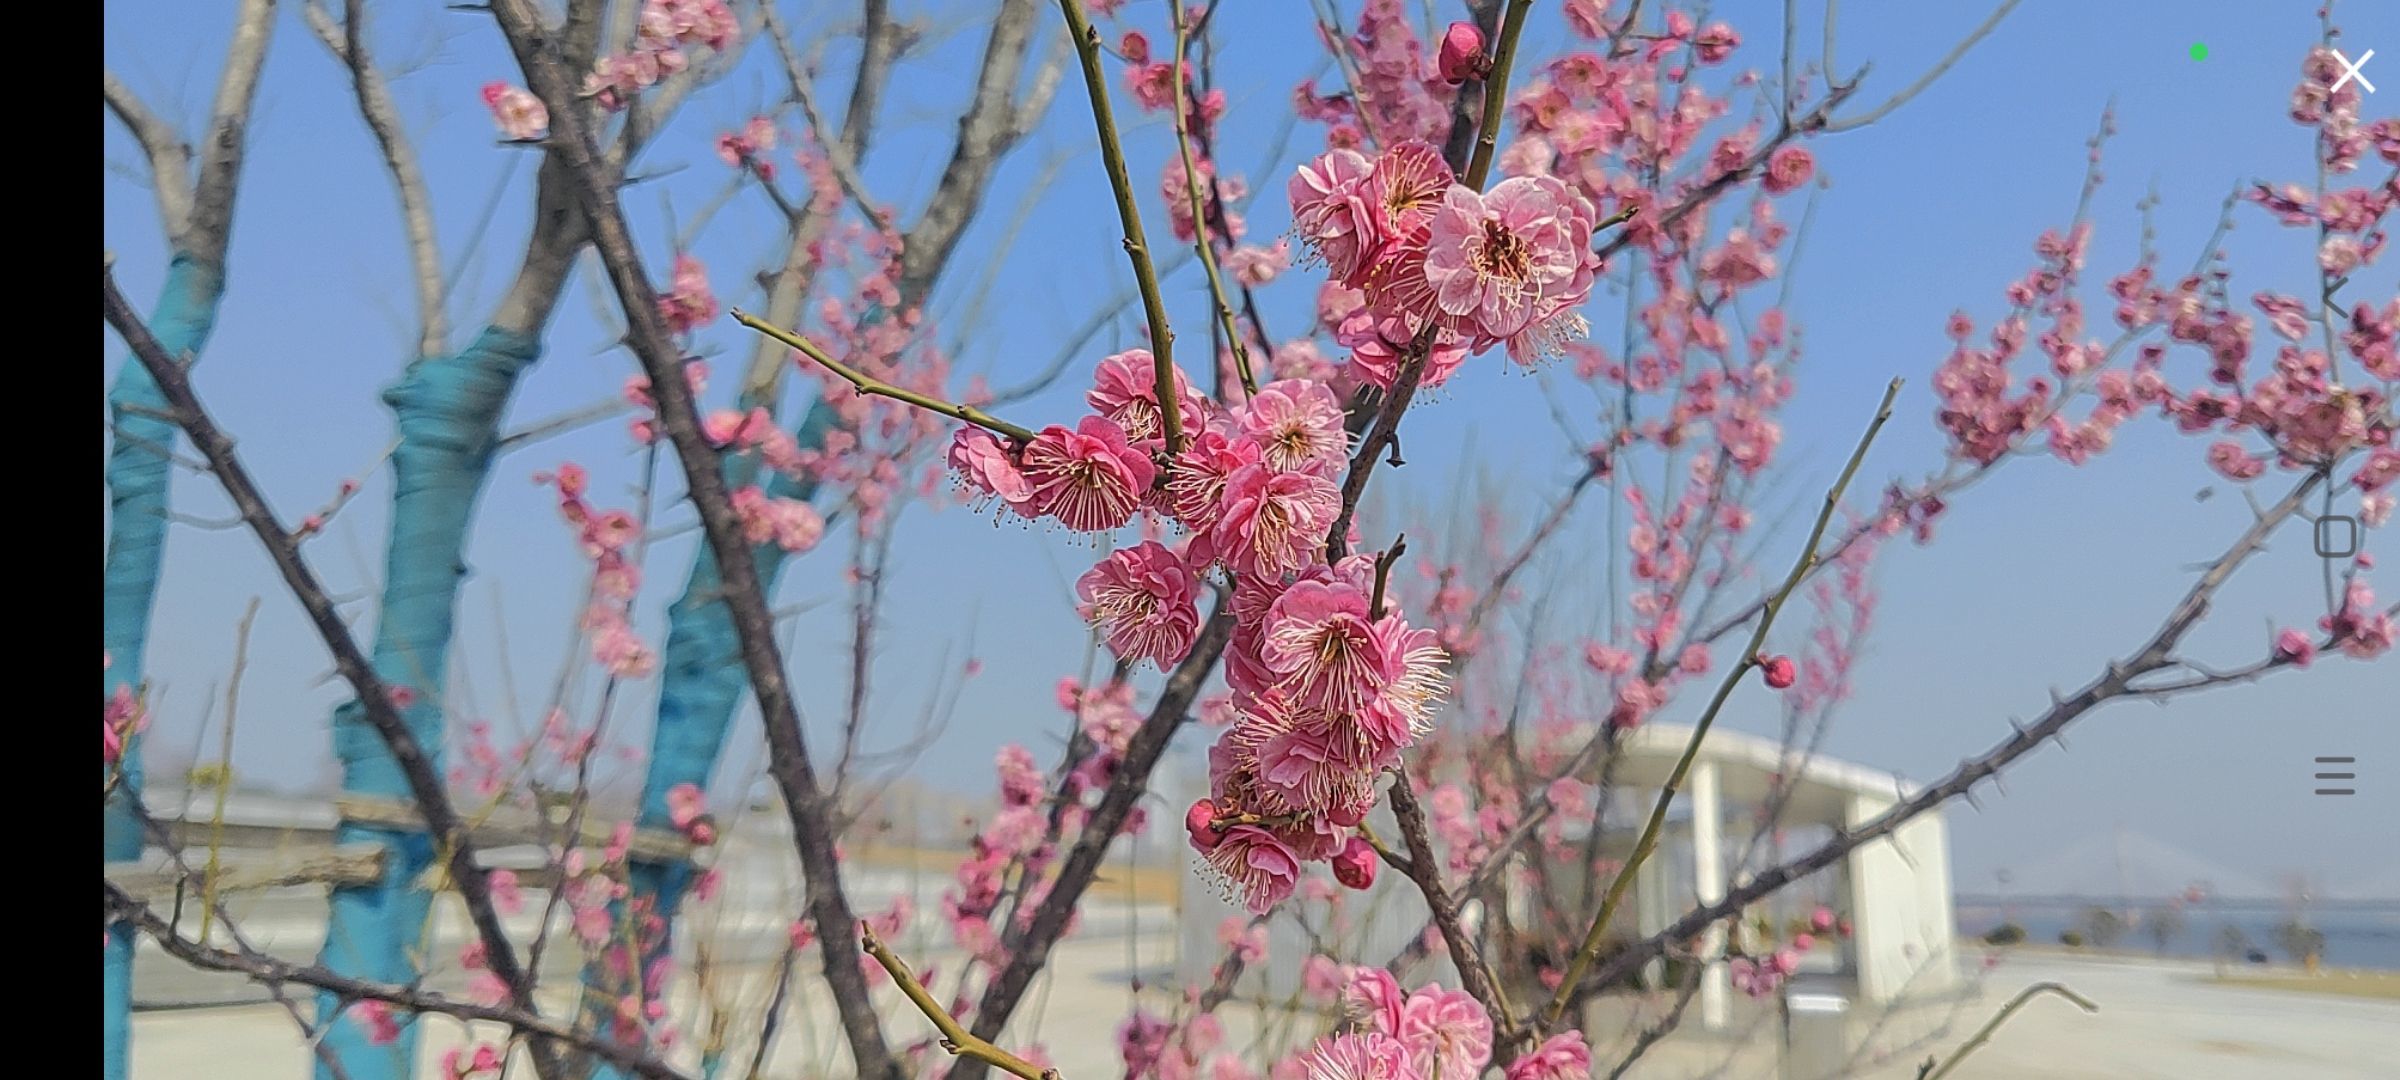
2199, 50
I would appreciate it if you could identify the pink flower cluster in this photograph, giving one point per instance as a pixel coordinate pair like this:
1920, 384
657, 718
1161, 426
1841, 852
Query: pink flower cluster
521, 116
1432, 1034
687, 810
748, 148
605, 535
1431, 257
1326, 693
121, 718
662, 31
2357, 629
462, 1063
790, 524
687, 304
1156, 1048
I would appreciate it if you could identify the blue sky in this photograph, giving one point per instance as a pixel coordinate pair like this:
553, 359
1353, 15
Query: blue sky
2038, 576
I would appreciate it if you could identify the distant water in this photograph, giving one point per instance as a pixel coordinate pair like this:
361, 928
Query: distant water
2355, 937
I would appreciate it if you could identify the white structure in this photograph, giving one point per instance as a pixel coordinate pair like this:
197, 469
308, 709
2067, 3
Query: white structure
1895, 890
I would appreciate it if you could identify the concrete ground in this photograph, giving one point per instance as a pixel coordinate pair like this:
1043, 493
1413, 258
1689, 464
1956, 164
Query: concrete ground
2157, 1020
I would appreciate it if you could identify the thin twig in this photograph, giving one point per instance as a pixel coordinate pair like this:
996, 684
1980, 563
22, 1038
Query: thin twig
868, 384
1949, 60
1597, 936
1984, 1034
1203, 239
1129, 215
2113, 683
216, 818
273, 973
955, 1038
374, 696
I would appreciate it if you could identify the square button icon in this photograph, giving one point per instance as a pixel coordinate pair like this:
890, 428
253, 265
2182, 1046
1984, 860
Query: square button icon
2337, 536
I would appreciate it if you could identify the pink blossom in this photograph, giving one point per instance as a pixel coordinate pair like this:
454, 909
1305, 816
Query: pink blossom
1714, 43
1787, 168
1196, 484
1331, 211
376, 1017
1124, 390
462, 1064
790, 524
2382, 467
1379, 343
1091, 478
505, 894
1365, 1055
1308, 761
1318, 639
1461, 57
1200, 823
980, 464
1403, 190
1561, 1057
687, 303
1322, 978
1142, 1038
749, 147
1256, 868
2376, 509
2234, 463
1354, 865
1243, 940
1512, 265
1298, 427
121, 718
2363, 632
1274, 523
1447, 1029
685, 804
1143, 600
1254, 266
1374, 997
521, 116
1779, 670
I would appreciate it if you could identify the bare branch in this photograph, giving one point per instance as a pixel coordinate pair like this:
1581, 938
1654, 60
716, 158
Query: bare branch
1424, 869
991, 124
210, 224
170, 157
1203, 241
374, 696
1129, 214
1851, 123
2113, 683
346, 40
955, 1038
867, 384
274, 974
1596, 937
1984, 1034
837, 150
574, 147
1028, 948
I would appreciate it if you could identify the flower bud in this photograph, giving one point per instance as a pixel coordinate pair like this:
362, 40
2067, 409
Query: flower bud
1781, 672
1354, 865
1461, 57
1200, 822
